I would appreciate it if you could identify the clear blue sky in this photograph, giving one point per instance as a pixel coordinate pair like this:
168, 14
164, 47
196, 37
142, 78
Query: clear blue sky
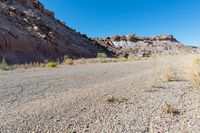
101, 18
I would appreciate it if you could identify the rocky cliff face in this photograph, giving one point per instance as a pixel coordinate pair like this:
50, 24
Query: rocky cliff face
29, 32
138, 46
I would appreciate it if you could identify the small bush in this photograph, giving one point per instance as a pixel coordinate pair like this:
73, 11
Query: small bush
69, 61
4, 65
51, 64
102, 55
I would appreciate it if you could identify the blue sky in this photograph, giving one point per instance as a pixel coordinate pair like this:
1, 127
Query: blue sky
101, 18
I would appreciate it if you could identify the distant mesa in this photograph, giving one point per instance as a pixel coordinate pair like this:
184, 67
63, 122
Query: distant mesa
139, 46
134, 38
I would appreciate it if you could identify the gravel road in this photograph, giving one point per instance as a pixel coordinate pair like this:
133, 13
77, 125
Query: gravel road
109, 98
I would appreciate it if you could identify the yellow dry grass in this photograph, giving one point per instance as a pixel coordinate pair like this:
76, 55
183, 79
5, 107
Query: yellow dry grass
168, 109
169, 74
191, 72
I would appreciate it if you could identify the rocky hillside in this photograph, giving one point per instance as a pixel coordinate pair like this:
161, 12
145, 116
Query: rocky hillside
29, 32
137, 46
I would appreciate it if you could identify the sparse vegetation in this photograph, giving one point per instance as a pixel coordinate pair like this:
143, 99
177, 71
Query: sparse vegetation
42, 65
113, 99
102, 58
191, 72
168, 109
81, 61
102, 55
69, 61
4, 65
124, 59
197, 60
169, 74
52, 64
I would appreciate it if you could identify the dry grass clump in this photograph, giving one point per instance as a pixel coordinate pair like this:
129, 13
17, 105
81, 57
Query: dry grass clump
197, 60
169, 74
112, 99
102, 55
81, 61
93, 61
69, 61
152, 83
124, 59
4, 65
168, 109
191, 72
52, 64
105, 60
30, 65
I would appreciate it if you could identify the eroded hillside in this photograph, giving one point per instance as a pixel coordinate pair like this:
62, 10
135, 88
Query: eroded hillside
139, 46
29, 32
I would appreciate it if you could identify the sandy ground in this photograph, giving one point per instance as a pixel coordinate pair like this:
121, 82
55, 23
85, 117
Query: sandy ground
109, 98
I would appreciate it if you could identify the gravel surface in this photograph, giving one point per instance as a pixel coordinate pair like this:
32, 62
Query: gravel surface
109, 98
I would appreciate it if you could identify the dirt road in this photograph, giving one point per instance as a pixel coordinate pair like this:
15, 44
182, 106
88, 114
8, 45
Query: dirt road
110, 98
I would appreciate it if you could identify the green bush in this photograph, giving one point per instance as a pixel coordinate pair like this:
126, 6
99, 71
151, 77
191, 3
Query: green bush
4, 65
52, 64
102, 55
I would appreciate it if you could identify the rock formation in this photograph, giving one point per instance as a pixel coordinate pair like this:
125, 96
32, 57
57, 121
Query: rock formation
29, 32
138, 46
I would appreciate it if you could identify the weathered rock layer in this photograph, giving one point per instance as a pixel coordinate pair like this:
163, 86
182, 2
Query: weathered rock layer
138, 46
29, 32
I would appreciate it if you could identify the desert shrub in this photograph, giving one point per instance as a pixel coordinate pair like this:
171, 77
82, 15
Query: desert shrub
52, 64
169, 74
81, 61
113, 99
168, 109
69, 61
4, 65
197, 60
102, 55
192, 73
